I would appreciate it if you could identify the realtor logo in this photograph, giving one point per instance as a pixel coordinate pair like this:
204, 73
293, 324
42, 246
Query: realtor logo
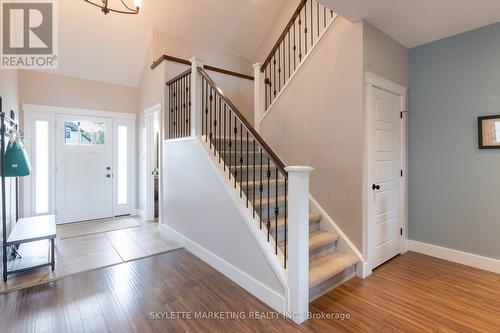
29, 34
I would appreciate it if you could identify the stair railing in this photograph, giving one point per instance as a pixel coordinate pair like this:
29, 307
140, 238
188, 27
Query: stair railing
179, 106
278, 199
307, 25
246, 155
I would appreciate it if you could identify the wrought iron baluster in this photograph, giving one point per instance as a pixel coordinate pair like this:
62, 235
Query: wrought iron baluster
276, 212
182, 105
206, 111
324, 17
188, 101
274, 76
235, 151
253, 197
261, 189
317, 17
225, 138
175, 110
184, 115
279, 68
300, 38
312, 25
241, 159
230, 129
169, 112
286, 226
305, 29
220, 138
294, 47
268, 173
211, 97
247, 171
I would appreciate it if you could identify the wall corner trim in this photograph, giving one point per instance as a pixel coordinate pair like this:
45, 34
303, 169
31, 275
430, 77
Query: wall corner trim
456, 256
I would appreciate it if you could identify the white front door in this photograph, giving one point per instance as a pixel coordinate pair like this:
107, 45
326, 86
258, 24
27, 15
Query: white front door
84, 168
385, 164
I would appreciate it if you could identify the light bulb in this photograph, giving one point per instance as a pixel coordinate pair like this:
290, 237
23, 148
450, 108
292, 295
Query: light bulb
137, 3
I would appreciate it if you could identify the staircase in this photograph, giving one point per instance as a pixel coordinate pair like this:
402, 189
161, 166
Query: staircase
328, 267
256, 173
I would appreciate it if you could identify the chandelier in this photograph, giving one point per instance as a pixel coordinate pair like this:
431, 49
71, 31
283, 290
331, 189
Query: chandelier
126, 10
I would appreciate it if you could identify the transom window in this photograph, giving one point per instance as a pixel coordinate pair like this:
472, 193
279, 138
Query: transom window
84, 133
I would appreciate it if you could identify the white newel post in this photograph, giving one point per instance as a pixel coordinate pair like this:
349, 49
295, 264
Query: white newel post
298, 241
196, 96
258, 95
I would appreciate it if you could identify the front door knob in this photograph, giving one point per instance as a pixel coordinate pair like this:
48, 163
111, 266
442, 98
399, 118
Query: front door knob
108, 175
375, 187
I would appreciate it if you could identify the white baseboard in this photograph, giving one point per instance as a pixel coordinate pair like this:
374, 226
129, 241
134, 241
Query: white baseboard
140, 213
254, 287
464, 258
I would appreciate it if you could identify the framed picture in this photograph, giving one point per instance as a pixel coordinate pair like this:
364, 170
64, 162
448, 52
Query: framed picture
489, 132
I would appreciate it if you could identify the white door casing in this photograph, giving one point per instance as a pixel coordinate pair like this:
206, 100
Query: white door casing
84, 174
385, 193
151, 115
48, 114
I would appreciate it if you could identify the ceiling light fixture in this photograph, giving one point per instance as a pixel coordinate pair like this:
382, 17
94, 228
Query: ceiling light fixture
128, 9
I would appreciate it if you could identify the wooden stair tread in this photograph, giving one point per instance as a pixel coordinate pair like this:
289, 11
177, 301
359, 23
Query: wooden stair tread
320, 238
326, 267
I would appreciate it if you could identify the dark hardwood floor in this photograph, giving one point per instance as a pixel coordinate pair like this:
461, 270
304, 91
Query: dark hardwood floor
411, 293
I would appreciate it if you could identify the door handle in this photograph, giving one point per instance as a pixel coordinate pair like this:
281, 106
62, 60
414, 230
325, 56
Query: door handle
108, 176
108, 168
375, 187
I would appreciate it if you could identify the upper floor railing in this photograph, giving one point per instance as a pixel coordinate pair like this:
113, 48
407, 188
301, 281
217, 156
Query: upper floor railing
308, 23
179, 106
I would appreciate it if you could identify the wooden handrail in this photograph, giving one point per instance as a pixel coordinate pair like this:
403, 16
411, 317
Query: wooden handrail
228, 72
169, 58
279, 164
186, 72
283, 34
166, 57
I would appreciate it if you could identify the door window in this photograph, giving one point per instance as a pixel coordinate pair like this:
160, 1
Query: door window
84, 133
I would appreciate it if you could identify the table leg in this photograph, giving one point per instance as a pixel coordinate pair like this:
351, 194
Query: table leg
52, 259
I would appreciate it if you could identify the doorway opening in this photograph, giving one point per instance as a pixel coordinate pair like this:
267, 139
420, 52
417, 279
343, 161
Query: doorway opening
153, 157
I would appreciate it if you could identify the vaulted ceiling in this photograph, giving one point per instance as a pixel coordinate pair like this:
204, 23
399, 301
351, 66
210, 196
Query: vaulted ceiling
416, 22
113, 48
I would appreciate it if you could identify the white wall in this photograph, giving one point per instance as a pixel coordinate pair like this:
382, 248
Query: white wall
318, 121
383, 56
50, 89
198, 206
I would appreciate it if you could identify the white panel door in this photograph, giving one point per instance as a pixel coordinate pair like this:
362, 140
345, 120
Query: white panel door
84, 174
386, 176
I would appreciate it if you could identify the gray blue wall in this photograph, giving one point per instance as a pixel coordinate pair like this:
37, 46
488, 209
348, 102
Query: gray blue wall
454, 188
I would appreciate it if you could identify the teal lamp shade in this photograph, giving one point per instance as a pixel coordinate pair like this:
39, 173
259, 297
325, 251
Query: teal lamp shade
17, 163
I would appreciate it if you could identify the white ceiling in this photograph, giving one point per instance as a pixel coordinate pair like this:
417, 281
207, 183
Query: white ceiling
416, 22
113, 48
